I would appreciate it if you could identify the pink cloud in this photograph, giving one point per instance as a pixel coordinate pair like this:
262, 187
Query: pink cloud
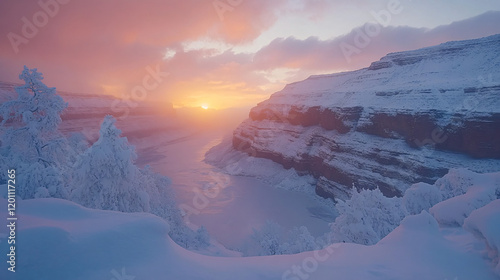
105, 41
96, 46
359, 50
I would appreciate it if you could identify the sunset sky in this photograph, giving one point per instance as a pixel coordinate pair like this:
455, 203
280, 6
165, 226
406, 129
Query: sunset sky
220, 54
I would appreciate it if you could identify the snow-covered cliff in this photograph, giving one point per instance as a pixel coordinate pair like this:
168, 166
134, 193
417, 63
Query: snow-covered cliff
407, 118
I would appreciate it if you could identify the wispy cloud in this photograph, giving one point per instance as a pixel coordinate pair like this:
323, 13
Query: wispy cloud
104, 46
327, 55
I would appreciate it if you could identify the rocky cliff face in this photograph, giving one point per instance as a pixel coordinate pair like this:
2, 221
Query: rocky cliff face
407, 118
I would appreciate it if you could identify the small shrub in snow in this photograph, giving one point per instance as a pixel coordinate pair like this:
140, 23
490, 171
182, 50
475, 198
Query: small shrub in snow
300, 240
421, 196
189, 239
272, 239
202, 237
269, 238
367, 217
455, 182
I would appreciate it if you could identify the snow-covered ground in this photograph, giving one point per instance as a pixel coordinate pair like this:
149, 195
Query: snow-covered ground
57, 239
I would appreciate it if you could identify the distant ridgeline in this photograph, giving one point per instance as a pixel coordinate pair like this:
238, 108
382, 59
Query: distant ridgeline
85, 106
407, 118
86, 111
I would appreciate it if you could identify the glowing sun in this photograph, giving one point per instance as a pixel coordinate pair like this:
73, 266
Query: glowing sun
204, 106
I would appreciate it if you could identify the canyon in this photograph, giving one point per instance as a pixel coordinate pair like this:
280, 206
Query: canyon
407, 118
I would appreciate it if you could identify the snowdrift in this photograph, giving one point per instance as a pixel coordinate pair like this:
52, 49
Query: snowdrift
485, 224
57, 239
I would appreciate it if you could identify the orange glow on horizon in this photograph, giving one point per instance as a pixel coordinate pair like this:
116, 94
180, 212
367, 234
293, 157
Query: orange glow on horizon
216, 95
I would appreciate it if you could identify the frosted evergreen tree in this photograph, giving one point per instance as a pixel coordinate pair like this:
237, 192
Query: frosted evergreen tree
37, 107
105, 176
30, 140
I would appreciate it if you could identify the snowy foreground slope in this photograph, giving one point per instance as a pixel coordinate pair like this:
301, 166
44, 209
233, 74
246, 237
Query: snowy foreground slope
58, 239
406, 118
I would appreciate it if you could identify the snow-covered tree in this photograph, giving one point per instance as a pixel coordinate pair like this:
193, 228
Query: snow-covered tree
202, 237
37, 106
78, 144
105, 176
456, 182
367, 217
37, 181
269, 238
30, 140
157, 196
159, 200
421, 196
272, 239
299, 240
